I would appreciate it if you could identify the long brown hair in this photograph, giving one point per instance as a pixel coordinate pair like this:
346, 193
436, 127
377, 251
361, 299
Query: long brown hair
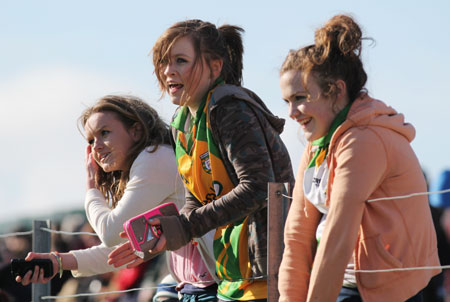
131, 111
209, 41
336, 54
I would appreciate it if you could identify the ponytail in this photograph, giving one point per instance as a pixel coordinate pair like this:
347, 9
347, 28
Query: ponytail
232, 67
224, 43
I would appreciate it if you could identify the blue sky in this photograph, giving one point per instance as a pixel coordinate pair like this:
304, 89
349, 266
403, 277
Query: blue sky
57, 57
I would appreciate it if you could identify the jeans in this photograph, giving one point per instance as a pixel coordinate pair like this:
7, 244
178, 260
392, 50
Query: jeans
352, 295
259, 300
199, 298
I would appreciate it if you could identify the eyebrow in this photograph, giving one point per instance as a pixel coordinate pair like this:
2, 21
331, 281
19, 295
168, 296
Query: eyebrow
181, 55
96, 129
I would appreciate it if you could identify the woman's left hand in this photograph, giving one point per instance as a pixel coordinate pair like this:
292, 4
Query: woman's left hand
124, 254
91, 168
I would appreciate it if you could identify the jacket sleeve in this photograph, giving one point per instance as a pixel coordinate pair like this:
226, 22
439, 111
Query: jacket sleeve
243, 144
360, 165
93, 261
153, 178
300, 242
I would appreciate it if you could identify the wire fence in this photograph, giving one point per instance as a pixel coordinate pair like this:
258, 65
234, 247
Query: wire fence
49, 230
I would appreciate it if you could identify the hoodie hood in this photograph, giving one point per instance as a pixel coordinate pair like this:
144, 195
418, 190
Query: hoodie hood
366, 111
222, 92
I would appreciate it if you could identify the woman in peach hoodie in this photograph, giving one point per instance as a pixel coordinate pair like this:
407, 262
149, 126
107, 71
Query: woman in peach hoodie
358, 150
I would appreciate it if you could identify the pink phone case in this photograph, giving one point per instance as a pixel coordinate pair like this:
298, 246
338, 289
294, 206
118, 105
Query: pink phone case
143, 236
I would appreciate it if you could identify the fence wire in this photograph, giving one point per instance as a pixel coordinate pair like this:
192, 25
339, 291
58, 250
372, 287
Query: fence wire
253, 279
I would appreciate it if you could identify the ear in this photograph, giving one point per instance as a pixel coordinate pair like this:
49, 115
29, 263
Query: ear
216, 68
136, 131
341, 89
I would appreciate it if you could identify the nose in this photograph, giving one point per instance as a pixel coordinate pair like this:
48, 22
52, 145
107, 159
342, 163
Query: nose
169, 69
293, 111
97, 145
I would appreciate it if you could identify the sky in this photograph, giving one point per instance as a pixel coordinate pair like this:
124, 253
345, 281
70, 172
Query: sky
58, 57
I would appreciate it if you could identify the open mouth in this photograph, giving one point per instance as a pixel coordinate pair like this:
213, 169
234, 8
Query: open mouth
304, 122
173, 88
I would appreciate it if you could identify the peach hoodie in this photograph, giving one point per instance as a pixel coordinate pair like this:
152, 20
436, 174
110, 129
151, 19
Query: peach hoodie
369, 157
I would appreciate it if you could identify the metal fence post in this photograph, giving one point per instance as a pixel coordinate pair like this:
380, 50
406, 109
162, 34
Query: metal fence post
277, 208
41, 244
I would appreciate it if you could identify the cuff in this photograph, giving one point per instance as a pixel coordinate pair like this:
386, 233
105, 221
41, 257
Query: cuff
176, 235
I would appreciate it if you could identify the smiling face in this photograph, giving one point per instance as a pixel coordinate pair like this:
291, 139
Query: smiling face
187, 78
313, 111
110, 140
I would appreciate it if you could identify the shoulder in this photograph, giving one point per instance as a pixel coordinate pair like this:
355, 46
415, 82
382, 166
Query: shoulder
224, 94
228, 91
361, 145
147, 161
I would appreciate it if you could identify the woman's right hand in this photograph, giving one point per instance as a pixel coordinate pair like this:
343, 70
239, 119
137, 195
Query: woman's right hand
37, 275
91, 168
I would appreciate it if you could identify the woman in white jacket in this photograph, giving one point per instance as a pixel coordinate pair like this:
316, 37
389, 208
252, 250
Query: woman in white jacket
131, 168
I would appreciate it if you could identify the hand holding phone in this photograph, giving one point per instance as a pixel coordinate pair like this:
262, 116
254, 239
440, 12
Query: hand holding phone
35, 268
144, 236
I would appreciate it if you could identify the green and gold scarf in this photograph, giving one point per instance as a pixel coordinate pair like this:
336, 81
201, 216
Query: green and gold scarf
203, 172
324, 142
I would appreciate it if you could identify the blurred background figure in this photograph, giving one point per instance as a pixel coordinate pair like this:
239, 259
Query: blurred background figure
439, 287
166, 291
10, 248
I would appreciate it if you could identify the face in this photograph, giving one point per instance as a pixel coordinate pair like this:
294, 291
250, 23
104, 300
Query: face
186, 84
110, 140
312, 110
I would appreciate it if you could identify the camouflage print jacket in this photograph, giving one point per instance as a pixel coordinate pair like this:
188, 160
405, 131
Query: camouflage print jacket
248, 137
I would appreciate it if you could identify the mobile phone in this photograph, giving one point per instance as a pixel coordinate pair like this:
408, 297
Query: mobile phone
143, 236
19, 267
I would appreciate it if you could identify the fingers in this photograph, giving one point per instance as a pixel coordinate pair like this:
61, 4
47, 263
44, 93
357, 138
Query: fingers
122, 255
135, 263
160, 245
123, 235
35, 277
123, 247
124, 258
29, 256
25, 280
154, 221
32, 255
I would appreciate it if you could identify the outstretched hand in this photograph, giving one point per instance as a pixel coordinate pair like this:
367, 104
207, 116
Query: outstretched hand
91, 167
37, 275
124, 253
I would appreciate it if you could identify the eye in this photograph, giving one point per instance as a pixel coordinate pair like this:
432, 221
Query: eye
299, 98
104, 133
181, 60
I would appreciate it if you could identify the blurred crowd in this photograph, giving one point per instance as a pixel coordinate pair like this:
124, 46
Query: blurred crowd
153, 272
147, 275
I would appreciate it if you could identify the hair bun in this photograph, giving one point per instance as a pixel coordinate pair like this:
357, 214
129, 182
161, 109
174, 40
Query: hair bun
340, 35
